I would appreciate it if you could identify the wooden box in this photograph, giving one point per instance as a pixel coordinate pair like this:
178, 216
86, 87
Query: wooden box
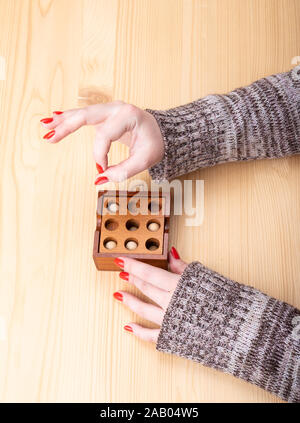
124, 216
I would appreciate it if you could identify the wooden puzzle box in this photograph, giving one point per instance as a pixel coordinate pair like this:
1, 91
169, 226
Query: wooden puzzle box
131, 224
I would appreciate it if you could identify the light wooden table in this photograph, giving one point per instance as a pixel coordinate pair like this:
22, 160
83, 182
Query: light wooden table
61, 336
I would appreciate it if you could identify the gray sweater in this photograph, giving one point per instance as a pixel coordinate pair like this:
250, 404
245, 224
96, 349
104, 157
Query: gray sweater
211, 319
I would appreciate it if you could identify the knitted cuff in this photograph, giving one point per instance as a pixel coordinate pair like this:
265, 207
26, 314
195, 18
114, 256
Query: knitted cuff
190, 134
234, 328
259, 121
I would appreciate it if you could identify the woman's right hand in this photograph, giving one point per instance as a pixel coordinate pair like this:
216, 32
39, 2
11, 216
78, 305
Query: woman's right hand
114, 121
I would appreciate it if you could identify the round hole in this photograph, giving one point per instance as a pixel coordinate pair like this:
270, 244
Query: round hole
154, 206
153, 225
134, 206
131, 244
112, 206
110, 243
132, 225
152, 244
111, 224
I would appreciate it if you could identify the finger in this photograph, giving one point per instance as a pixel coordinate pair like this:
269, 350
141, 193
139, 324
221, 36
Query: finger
147, 311
127, 168
111, 130
71, 120
60, 117
176, 265
159, 296
101, 149
146, 334
53, 121
154, 275
68, 124
98, 113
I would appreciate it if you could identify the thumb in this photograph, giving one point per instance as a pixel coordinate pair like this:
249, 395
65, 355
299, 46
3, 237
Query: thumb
176, 265
126, 169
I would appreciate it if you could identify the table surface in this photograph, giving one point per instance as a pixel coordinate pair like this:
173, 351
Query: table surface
61, 336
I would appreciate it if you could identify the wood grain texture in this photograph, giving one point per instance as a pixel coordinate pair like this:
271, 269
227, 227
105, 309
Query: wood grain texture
61, 332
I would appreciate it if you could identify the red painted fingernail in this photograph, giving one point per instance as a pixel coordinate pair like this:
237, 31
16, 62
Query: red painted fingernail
49, 135
46, 120
57, 113
124, 276
118, 296
175, 253
101, 180
99, 168
119, 262
128, 328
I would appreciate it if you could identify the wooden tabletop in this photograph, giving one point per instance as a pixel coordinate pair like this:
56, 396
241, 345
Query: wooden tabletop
61, 336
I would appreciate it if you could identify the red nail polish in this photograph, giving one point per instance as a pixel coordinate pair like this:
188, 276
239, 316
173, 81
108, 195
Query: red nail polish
46, 120
124, 276
119, 262
99, 168
101, 180
175, 253
118, 296
57, 113
128, 328
49, 135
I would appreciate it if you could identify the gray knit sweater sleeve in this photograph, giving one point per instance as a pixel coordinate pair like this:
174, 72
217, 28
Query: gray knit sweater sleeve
255, 122
236, 329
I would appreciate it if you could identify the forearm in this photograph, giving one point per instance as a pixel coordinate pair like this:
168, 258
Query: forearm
233, 328
259, 121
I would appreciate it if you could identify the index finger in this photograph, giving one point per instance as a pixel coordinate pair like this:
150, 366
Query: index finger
71, 120
154, 275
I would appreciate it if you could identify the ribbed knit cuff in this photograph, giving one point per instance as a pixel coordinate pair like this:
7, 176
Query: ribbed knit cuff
259, 121
190, 135
233, 328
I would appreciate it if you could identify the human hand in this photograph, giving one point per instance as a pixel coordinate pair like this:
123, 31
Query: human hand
114, 121
155, 283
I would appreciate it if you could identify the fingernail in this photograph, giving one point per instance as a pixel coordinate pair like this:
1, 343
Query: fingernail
46, 120
57, 113
118, 296
124, 276
99, 168
119, 262
175, 253
128, 328
101, 180
49, 135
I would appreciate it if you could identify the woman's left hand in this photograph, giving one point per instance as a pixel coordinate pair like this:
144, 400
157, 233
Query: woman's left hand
155, 283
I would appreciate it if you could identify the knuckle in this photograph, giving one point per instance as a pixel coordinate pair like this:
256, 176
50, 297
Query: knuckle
144, 287
129, 267
139, 309
67, 127
130, 109
146, 274
141, 285
82, 113
133, 279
